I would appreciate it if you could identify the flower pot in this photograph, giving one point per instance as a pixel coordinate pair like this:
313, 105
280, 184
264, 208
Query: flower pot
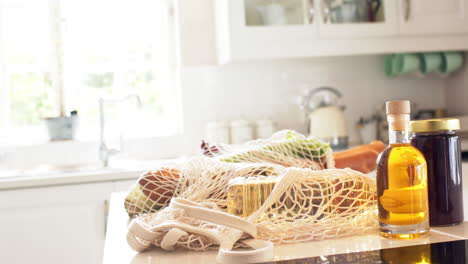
62, 128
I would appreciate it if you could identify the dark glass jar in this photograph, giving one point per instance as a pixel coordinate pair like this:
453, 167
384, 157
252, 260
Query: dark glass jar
437, 140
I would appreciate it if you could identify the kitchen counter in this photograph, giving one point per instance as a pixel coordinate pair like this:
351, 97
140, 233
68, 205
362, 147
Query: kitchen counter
116, 249
49, 176
19, 182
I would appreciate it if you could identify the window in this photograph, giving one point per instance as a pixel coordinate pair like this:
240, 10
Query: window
96, 48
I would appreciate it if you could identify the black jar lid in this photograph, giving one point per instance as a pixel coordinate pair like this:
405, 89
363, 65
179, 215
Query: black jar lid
435, 125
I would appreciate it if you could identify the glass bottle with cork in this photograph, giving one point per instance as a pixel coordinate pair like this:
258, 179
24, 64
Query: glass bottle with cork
402, 180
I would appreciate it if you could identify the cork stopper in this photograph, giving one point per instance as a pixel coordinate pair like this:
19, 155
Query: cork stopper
398, 107
398, 115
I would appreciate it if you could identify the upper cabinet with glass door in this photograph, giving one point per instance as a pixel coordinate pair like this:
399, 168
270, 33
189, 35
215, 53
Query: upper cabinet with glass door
257, 29
333, 18
250, 29
271, 29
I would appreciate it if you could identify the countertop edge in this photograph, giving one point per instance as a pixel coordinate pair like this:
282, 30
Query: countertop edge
67, 179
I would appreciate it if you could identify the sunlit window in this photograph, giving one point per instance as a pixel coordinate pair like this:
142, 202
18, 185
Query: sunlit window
96, 48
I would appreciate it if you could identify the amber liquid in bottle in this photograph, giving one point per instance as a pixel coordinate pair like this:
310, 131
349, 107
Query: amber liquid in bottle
402, 188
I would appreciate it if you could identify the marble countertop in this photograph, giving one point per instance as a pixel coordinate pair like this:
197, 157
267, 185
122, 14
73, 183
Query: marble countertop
116, 249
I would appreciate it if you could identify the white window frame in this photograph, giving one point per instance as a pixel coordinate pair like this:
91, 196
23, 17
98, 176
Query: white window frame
76, 152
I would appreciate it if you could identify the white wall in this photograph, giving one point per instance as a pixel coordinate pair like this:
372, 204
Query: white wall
457, 92
270, 88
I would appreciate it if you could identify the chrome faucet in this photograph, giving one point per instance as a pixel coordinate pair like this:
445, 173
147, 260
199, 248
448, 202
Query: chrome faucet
104, 151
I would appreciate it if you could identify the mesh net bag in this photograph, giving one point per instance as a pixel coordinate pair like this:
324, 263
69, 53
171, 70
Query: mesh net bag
154, 189
238, 204
318, 205
287, 148
205, 181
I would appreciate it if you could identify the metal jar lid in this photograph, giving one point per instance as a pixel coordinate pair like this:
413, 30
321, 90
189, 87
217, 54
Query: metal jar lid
434, 125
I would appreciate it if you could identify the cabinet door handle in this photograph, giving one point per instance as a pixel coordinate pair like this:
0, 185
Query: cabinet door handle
106, 215
407, 7
325, 11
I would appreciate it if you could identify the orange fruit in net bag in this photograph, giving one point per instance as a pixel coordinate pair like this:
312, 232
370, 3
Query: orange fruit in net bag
160, 185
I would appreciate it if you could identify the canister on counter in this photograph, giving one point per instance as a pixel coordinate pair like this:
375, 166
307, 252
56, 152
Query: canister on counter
241, 131
438, 141
264, 128
217, 132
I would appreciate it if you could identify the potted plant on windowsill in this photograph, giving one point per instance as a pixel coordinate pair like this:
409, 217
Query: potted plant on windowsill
62, 127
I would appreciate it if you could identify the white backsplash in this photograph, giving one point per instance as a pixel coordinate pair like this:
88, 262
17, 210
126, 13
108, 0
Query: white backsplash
269, 89
457, 92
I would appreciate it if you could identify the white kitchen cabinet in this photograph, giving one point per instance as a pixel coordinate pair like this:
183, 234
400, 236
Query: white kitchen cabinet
63, 224
424, 17
238, 40
195, 28
243, 34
